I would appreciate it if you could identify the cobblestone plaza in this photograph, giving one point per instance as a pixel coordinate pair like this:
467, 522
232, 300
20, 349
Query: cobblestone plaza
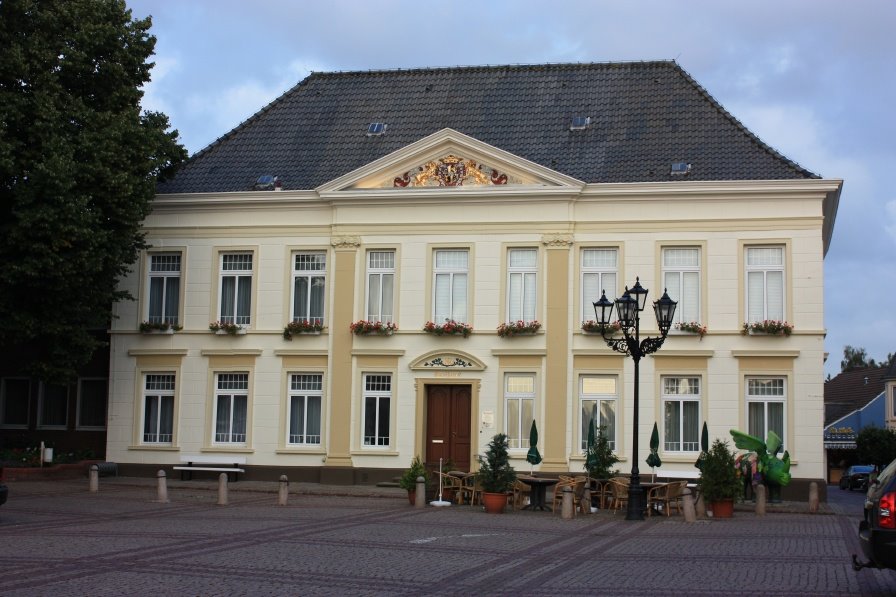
59, 539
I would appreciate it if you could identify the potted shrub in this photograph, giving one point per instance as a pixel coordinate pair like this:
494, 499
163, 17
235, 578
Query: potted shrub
408, 480
496, 475
719, 480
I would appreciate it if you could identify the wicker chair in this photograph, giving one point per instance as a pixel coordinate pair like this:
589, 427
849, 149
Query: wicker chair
471, 491
665, 496
451, 486
565, 481
521, 494
618, 494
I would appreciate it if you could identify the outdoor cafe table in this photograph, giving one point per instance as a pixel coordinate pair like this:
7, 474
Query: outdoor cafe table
539, 487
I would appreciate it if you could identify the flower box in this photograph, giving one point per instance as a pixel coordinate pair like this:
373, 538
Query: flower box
518, 328
592, 327
372, 328
768, 327
302, 327
159, 327
222, 328
449, 328
691, 327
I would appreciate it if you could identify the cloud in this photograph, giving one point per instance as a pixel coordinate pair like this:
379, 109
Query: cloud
890, 226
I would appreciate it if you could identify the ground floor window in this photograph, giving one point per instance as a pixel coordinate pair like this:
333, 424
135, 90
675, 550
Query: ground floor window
231, 407
53, 406
158, 408
305, 396
14, 395
681, 414
519, 407
766, 397
92, 398
377, 407
597, 399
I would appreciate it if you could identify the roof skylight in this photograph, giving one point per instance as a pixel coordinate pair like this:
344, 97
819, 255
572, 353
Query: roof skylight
579, 123
375, 129
680, 168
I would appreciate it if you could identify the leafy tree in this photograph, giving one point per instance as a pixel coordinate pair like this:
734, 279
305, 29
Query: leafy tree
78, 168
877, 446
855, 358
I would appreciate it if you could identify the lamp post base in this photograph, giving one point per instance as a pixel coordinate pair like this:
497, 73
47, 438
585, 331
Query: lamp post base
635, 503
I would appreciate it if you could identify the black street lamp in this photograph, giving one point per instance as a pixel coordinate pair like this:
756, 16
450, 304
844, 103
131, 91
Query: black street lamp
628, 308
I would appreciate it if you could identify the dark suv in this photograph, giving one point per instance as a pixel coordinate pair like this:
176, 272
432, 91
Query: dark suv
877, 533
856, 477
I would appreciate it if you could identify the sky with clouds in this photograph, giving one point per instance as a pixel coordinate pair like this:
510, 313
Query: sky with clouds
813, 79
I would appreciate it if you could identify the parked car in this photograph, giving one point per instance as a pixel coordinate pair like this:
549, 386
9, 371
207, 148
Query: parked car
877, 532
856, 477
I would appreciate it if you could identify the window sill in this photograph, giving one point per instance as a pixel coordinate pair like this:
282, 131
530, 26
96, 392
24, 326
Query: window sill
316, 451
374, 452
228, 449
151, 448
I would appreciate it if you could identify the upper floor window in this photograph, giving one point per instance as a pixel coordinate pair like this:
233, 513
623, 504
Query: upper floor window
305, 396
597, 401
681, 414
766, 398
377, 409
164, 288
521, 267
380, 286
309, 282
519, 408
158, 408
236, 288
450, 276
14, 400
231, 407
681, 279
599, 271
765, 283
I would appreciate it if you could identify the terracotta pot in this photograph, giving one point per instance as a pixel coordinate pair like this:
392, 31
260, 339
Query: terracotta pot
412, 497
723, 509
494, 502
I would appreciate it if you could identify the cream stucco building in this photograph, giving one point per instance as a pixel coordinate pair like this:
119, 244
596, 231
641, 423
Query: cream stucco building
485, 196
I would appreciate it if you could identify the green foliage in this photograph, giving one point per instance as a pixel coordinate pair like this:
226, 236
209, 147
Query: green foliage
876, 446
78, 169
599, 459
719, 476
409, 478
495, 472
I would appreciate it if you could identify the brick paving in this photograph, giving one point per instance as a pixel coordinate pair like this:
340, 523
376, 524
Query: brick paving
59, 539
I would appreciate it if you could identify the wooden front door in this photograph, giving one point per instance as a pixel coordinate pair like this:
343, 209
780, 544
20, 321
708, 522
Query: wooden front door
448, 425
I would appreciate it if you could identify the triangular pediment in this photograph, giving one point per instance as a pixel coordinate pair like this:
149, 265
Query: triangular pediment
449, 160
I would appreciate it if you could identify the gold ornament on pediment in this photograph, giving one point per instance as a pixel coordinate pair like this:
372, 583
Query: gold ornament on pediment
451, 171
557, 240
345, 242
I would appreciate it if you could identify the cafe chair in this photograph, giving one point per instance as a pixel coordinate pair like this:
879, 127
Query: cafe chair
521, 494
565, 481
618, 494
451, 486
664, 496
471, 491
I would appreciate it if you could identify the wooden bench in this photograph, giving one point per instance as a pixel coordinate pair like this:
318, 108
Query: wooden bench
211, 463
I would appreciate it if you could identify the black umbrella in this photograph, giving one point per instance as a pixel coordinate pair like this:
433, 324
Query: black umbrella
653, 460
532, 456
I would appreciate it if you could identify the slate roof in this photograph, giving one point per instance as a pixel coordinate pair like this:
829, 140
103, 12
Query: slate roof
644, 116
850, 390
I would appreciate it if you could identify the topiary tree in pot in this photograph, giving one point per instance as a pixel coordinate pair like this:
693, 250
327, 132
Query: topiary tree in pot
719, 480
495, 474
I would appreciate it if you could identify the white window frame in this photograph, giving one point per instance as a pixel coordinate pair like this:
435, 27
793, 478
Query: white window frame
377, 307
314, 271
599, 398
603, 283
676, 291
305, 392
518, 430
527, 277
377, 441
231, 394
166, 384
238, 274
681, 446
165, 276
455, 312
766, 400
41, 424
765, 270
78, 424
4, 397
